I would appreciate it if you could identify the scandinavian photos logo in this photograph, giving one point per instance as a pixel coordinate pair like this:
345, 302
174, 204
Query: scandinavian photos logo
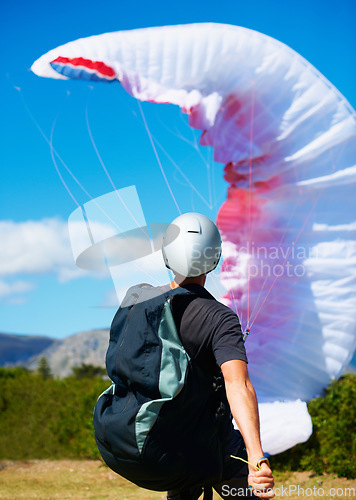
292, 490
271, 261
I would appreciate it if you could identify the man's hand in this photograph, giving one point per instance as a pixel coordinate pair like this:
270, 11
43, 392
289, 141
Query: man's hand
262, 482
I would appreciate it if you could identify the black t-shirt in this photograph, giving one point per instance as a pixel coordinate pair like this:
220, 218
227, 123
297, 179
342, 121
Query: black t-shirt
210, 331
211, 334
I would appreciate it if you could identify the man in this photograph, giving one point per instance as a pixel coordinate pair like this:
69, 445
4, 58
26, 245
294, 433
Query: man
212, 336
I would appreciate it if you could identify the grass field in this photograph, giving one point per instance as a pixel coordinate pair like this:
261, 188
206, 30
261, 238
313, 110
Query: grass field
79, 480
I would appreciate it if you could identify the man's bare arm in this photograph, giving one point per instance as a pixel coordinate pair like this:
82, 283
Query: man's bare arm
243, 403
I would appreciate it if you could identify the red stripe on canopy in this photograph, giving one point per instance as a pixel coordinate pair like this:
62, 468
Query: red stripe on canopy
98, 66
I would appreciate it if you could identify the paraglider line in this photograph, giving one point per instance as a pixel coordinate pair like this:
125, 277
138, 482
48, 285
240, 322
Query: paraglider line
211, 160
157, 157
215, 285
281, 320
182, 173
57, 169
208, 169
107, 173
333, 162
178, 134
288, 253
55, 153
250, 199
246, 462
194, 145
49, 142
181, 137
280, 243
232, 297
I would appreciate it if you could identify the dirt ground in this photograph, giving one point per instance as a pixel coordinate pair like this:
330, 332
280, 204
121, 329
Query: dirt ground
79, 480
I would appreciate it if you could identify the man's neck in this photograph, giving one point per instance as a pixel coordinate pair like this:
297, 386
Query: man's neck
181, 281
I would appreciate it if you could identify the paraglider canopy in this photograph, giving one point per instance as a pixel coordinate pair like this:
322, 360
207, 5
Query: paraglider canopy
287, 139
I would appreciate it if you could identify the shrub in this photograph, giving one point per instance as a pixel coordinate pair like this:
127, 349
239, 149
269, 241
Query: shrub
47, 418
332, 446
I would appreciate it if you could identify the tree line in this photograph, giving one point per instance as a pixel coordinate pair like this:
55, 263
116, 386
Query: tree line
45, 417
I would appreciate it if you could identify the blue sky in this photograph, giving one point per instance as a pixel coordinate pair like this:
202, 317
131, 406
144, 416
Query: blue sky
40, 290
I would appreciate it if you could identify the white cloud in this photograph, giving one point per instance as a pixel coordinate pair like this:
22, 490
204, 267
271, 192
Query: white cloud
16, 301
37, 247
18, 287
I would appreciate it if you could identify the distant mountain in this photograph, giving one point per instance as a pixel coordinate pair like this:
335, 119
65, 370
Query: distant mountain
85, 347
18, 349
62, 355
26, 350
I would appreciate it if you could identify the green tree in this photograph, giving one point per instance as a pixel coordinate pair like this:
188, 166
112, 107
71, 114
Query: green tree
88, 371
44, 369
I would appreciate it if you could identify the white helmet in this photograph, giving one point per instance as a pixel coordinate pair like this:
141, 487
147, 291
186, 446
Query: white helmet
191, 245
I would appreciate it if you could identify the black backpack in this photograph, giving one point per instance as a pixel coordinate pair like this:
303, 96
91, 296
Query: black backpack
158, 424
